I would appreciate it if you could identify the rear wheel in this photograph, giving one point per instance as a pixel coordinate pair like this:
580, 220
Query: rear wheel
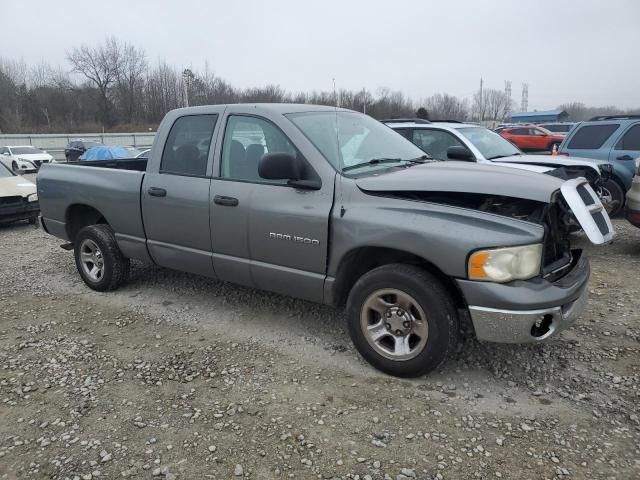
402, 320
617, 197
99, 260
33, 220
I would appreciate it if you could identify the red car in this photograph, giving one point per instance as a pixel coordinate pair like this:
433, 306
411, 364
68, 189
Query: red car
530, 137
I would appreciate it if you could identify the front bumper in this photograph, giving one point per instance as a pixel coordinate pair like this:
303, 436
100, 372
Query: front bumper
527, 311
20, 211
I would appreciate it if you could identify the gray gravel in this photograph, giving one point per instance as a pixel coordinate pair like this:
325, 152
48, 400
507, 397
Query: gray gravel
180, 377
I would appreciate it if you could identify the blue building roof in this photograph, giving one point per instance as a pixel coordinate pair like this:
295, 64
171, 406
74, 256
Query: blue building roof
539, 116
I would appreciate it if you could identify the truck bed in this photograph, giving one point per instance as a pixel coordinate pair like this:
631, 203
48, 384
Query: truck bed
113, 190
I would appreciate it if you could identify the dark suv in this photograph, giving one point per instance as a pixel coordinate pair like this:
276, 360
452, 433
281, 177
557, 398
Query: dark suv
75, 148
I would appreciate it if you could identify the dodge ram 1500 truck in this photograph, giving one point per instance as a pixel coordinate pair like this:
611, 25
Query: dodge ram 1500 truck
331, 206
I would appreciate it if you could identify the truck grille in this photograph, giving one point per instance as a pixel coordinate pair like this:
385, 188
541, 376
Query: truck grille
10, 201
556, 246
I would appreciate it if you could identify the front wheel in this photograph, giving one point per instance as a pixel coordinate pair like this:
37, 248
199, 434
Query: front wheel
99, 260
554, 144
402, 320
14, 166
617, 196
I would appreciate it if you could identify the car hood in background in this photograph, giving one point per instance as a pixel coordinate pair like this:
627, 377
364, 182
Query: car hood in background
14, 186
34, 156
529, 168
553, 161
464, 177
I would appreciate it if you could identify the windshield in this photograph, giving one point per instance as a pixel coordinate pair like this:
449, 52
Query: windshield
4, 171
490, 144
349, 138
25, 150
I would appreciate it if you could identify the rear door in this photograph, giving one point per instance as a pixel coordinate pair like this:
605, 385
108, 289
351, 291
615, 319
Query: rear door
175, 195
627, 147
266, 233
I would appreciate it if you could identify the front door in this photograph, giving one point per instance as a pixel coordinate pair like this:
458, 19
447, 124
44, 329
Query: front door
175, 200
627, 149
264, 232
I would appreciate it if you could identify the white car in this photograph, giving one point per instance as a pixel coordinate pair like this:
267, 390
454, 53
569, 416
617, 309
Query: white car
473, 143
18, 198
24, 157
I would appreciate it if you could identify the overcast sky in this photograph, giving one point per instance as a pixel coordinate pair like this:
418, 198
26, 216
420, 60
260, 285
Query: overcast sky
573, 50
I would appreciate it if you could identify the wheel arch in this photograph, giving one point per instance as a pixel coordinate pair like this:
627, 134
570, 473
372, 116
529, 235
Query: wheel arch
360, 260
79, 216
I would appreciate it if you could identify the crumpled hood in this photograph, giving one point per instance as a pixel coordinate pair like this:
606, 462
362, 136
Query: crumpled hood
16, 186
464, 177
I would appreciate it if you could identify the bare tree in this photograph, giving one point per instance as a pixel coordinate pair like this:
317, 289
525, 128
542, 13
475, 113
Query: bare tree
493, 105
447, 107
130, 71
100, 65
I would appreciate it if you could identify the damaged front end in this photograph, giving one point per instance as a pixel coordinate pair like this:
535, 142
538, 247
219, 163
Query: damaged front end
575, 206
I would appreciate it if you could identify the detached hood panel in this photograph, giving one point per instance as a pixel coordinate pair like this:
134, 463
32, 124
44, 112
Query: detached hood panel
464, 177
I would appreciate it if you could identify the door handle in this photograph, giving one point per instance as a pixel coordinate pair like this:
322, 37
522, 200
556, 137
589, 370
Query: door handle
157, 192
226, 201
625, 157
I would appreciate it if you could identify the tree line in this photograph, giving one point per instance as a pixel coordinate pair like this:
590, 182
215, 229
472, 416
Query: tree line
112, 87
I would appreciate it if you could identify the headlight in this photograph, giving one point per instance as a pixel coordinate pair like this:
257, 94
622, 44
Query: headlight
638, 166
32, 198
505, 264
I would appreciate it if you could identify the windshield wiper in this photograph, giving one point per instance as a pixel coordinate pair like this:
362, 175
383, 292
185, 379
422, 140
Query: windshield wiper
504, 156
378, 161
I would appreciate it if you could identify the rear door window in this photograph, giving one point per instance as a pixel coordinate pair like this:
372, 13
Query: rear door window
630, 140
187, 147
519, 131
591, 137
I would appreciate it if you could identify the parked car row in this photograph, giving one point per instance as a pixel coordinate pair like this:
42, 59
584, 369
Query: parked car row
329, 205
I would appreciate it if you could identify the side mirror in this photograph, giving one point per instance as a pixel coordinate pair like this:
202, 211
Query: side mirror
279, 166
284, 166
460, 153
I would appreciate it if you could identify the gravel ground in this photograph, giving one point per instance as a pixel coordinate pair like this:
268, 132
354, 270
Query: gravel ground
176, 376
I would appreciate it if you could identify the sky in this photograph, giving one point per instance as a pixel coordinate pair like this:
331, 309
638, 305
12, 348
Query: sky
570, 50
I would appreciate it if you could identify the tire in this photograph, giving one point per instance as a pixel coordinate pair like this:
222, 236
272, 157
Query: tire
398, 285
99, 261
14, 166
33, 220
617, 196
552, 144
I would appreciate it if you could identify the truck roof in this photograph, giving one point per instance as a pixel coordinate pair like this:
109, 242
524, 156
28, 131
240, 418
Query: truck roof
281, 108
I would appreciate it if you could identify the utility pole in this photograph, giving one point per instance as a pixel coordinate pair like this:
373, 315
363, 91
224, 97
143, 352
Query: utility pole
187, 75
481, 112
335, 94
364, 101
524, 105
507, 94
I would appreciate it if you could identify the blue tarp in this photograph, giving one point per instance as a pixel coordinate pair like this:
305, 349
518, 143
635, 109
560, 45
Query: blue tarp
105, 153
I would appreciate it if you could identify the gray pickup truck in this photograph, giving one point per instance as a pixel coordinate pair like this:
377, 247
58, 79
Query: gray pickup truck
331, 206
